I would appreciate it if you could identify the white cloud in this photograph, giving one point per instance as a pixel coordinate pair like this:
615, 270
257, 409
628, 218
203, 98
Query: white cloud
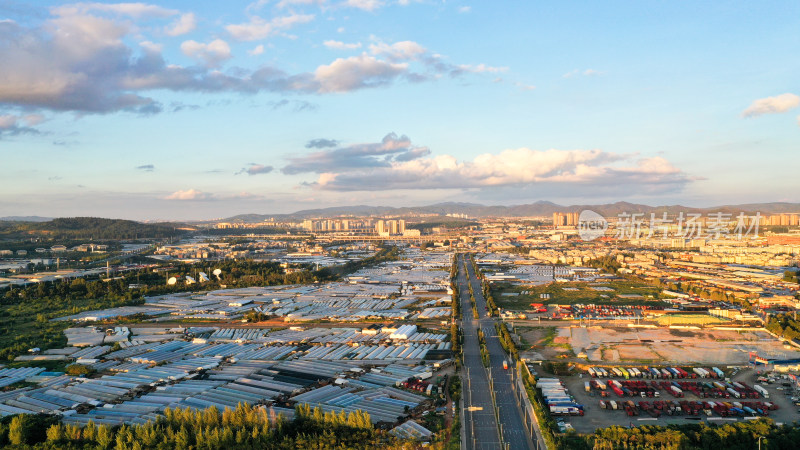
7, 121
190, 194
399, 51
772, 105
586, 73
356, 72
151, 47
516, 167
259, 28
339, 45
255, 169
82, 63
33, 119
135, 10
330, 157
259, 49
186, 23
12, 125
212, 54
288, 3
366, 5
525, 87
200, 196
464, 9
481, 68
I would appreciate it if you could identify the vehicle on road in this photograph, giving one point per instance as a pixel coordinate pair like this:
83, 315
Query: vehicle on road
505, 364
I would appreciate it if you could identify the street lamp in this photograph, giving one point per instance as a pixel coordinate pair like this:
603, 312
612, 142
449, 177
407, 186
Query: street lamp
759, 442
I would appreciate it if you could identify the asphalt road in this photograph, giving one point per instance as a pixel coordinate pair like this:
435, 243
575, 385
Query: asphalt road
480, 428
509, 414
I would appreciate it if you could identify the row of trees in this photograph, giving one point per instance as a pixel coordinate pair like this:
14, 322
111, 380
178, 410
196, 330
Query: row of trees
506, 340
734, 436
243, 427
785, 326
455, 303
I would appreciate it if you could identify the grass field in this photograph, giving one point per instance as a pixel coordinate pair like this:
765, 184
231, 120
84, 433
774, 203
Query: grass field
521, 296
690, 319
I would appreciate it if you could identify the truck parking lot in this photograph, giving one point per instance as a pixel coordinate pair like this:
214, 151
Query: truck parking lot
659, 401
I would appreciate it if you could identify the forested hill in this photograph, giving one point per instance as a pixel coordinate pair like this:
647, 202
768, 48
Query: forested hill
88, 228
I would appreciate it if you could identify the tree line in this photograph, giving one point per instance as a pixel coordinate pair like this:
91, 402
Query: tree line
733, 436
244, 427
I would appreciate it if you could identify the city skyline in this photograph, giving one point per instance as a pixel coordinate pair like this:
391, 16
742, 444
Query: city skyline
191, 111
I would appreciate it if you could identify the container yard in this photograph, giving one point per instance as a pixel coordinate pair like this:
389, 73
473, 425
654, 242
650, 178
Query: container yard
601, 396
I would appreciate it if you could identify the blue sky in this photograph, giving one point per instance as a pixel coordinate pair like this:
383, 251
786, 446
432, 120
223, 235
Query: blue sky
189, 110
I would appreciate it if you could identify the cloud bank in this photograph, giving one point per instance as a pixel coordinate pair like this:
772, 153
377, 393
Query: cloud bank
395, 163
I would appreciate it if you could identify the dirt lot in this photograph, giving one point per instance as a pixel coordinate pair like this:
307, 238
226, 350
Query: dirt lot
683, 346
599, 418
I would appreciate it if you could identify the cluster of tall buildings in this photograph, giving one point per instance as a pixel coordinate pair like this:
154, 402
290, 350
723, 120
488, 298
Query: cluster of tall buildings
380, 227
781, 219
565, 219
337, 224
390, 227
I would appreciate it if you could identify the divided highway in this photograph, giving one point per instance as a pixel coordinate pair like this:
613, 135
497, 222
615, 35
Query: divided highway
479, 426
482, 427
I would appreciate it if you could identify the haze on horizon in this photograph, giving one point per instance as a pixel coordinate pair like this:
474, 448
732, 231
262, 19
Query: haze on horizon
185, 110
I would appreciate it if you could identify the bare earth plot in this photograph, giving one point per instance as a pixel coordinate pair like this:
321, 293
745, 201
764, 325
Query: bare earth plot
677, 346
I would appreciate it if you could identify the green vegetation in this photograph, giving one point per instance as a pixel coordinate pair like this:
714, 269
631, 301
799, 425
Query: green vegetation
785, 326
48, 300
25, 320
690, 319
506, 340
705, 292
455, 338
740, 435
484, 350
385, 254
545, 421
791, 276
243, 427
87, 228
608, 264
79, 369
454, 392
494, 311
245, 231
563, 293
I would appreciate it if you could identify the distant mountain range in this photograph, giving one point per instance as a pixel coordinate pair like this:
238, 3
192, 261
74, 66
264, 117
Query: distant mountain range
25, 219
87, 228
475, 210
538, 209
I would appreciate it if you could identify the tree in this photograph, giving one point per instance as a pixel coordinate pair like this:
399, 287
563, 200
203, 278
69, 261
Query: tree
17, 432
104, 436
55, 432
78, 369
